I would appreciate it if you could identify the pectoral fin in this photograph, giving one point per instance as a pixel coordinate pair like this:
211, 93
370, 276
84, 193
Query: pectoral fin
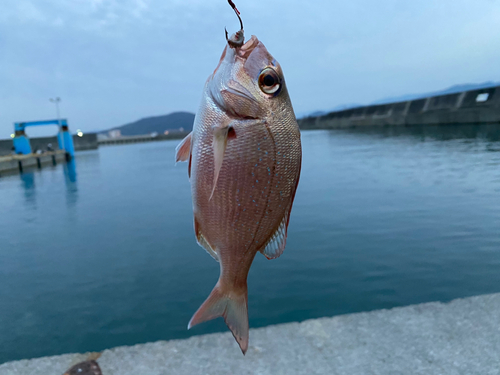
183, 149
219, 145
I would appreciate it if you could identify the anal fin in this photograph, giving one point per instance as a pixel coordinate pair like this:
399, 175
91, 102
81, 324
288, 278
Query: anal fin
276, 244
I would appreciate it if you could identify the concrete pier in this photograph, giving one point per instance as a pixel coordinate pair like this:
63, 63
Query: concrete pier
459, 337
19, 163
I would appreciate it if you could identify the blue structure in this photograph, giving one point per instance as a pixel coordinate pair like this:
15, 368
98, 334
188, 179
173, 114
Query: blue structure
22, 143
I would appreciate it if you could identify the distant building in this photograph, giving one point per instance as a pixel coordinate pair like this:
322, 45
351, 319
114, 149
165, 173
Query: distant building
115, 133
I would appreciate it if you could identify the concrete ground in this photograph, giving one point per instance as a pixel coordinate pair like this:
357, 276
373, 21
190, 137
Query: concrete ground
459, 337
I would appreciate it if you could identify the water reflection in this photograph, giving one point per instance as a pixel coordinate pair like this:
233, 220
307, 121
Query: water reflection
70, 173
28, 184
70, 179
383, 217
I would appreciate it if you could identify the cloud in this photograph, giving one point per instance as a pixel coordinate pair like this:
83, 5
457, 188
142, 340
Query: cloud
116, 61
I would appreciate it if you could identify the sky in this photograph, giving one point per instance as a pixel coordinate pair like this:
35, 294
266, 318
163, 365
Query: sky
116, 61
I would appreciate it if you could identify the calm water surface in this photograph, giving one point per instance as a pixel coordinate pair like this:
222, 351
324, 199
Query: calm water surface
382, 218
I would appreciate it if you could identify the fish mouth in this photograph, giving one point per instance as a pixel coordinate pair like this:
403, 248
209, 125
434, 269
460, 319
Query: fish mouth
227, 92
246, 49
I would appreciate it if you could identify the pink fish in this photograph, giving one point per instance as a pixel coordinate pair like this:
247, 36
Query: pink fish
244, 164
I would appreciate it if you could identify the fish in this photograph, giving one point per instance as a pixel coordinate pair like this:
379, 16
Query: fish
89, 367
244, 155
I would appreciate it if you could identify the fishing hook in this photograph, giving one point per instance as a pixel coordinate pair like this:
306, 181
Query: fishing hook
237, 39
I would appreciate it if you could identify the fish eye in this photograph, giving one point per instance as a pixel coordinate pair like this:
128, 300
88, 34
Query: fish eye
269, 81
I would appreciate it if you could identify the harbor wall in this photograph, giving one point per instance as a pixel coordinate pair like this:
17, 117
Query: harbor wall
86, 142
468, 107
6, 146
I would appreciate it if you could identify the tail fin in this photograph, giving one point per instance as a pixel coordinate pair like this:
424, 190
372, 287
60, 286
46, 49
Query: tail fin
232, 307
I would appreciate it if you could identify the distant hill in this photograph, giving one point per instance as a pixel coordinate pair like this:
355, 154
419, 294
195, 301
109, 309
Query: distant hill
159, 124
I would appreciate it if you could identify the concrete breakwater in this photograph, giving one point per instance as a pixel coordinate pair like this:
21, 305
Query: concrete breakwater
459, 337
468, 107
142, 138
